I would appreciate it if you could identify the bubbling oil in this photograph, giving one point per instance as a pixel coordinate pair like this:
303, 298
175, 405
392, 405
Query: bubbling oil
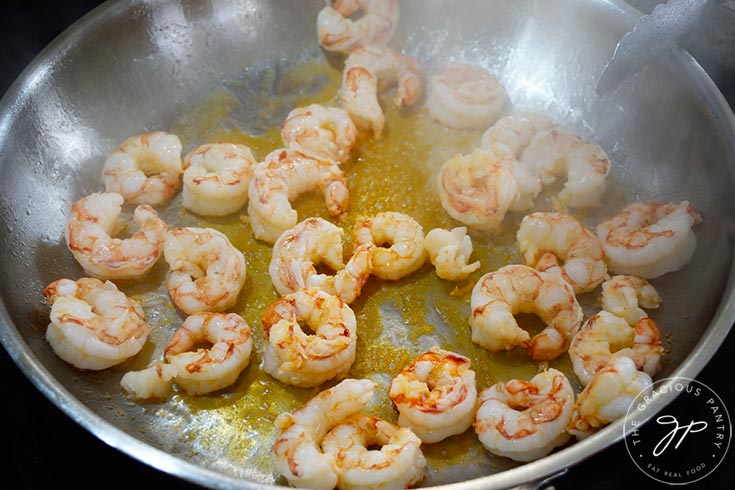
396, 320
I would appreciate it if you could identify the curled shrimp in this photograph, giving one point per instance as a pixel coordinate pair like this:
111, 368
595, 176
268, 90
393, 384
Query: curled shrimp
145, 169
216, 178
199, 371
478, 189
558, 151
513, 289
92, 221
546, 238
296, 451
371, 70
649, 239
622, 295
398, 463
337, 32
607, 397
317, 241
514, 133
284, 175
299, 359
92, 324
435, 395
206, 271
325, 131
398, 243
525, 420
465, 96
449, 252
605, 335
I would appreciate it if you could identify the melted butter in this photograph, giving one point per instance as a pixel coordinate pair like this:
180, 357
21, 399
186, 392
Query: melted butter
397, 320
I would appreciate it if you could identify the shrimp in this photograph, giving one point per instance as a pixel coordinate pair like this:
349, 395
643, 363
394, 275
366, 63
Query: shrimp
398, 243
145, 169
371, 70
435, 395
216, 178
607, 397
296, 451
207, 271
525, 420
558, 151
299, 359
284, 175
337, 32
199, 371
546, 238
621, 296
478, 189
605, 335
398, 463
514, 133
202, 370
311, 242
466, 97
513, 289
649, 239
91, 222
449, 252
328, 132
92, 324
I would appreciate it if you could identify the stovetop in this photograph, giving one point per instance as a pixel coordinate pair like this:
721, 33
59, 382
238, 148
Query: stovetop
43, 448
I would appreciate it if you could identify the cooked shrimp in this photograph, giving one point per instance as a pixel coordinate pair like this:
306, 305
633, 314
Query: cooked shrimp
649, 239
93, 325
207, 271
465, 96
449, 252
622, 295
435, 395
513, 289
525, 420
296, 452
398, 241
216, 178
325, 131
299, 359
478, 189
514, 133
558, 151
337, 32
202, 370
284, 175
317, 241
371, 70
399, 463
605, 335
152, 383
607, 397
91, 222
546, 238
145, 169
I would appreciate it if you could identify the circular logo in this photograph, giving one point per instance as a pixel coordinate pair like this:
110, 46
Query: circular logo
683, 442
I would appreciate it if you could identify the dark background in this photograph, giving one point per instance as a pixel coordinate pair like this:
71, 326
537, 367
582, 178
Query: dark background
42, 448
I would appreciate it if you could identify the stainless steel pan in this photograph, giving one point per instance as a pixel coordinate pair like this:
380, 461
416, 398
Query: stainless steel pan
134, 66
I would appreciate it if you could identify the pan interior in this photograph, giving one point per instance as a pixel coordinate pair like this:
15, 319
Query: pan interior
231, 70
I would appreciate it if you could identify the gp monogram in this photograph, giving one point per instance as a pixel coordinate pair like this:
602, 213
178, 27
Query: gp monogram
687, 440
